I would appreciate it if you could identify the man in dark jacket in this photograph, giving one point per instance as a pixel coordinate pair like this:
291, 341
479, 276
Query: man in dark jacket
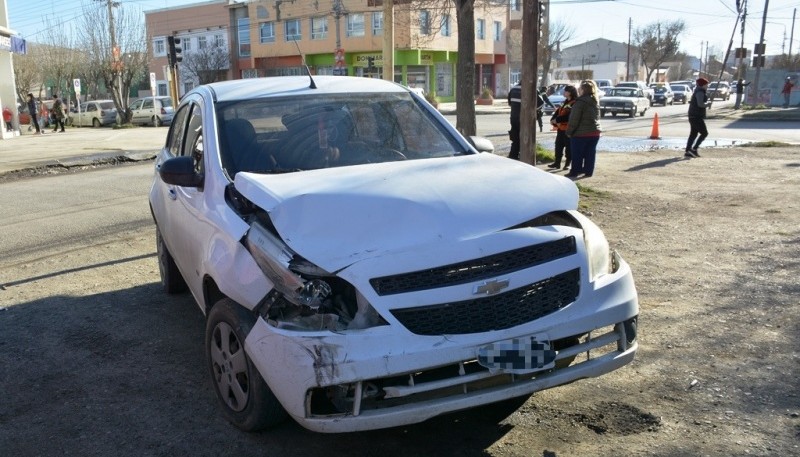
515, 101
32, 111
697, 114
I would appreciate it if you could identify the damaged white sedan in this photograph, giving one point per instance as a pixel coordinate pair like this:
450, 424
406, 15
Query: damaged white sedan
362, 265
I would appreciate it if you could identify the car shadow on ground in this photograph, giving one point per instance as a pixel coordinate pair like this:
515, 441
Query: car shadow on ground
128, 366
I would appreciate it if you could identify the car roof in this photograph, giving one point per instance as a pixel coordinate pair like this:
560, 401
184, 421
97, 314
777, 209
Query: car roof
277, 86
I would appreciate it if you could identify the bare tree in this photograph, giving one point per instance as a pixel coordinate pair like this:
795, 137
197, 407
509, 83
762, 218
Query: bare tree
206, 65
28, 72
120, 60
59, 57
658, 43
465, 67
557, 33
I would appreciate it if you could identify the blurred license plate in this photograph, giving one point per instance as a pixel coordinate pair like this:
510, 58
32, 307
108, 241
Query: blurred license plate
518, 355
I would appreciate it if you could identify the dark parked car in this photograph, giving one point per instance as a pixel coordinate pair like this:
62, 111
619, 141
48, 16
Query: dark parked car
663, 95
681, 93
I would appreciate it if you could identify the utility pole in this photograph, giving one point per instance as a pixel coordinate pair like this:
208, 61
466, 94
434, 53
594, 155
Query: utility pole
791, 35
742, 52
760, 45
388, 40
114, 51
628, 58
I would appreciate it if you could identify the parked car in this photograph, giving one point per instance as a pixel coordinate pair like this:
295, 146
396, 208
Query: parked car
362, 265
625, 100
556, 99
95, 113
690, 83
663, 95
719, 89
648, 91
681, 93
155, 111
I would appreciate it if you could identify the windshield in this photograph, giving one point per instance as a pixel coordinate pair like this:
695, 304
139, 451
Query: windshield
287, 134
677, 88
621, 92
660, 90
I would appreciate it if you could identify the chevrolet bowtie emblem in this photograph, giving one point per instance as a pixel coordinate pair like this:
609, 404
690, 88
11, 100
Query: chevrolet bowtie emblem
490, 287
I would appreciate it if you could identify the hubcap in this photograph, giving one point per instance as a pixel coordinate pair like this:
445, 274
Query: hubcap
229, 363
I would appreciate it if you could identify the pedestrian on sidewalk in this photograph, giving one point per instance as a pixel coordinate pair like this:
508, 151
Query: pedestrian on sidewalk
697, 115
787, 91
32, 111
7, 115
583, 129
515, 101
58, 113
560, 121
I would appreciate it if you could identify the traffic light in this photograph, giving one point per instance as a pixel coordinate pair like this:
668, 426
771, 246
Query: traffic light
542, 16
174, 50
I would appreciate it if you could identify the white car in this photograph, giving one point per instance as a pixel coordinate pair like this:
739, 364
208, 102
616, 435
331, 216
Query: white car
361, 265
624, 100
95, 113
155, 111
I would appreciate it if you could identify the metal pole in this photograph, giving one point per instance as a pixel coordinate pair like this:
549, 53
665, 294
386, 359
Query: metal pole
791, 35
761, 41
628, 58
740, 79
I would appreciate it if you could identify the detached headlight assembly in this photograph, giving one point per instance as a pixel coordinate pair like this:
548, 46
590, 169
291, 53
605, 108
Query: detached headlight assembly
597, 249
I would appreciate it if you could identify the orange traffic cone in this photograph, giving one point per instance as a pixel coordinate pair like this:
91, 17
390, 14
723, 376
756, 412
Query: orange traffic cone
654, 132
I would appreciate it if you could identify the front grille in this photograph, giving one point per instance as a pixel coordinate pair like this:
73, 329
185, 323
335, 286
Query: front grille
475, 269
495, 312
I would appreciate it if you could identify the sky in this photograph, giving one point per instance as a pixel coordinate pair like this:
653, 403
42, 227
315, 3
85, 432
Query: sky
707, 21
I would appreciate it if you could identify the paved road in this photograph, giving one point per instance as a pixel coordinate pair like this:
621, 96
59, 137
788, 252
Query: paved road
78, 146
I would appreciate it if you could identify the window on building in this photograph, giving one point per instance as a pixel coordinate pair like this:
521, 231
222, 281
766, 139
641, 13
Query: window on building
186, 43
319, 28
355, 24
445, 25
219, 40
267, 32
161, 89
424, 22
292, 30
243, 34
497, 31
516, 5
377, 23
159, 48
480, 29
249, 73
201, 42
187, 86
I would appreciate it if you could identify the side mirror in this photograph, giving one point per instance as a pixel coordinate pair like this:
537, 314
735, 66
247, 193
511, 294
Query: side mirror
179, 171
481, 144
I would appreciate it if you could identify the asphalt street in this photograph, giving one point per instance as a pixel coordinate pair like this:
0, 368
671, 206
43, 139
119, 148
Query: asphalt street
85, 146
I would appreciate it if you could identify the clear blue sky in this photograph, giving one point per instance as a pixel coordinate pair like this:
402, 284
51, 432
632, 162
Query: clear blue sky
706, 20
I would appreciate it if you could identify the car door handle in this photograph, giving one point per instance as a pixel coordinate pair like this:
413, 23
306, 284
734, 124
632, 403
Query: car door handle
172, 193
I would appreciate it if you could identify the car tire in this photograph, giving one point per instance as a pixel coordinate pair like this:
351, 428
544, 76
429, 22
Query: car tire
602, 113
642, 113
246, 400
171, 279
96, 123
613, 114
632, 112
157, 121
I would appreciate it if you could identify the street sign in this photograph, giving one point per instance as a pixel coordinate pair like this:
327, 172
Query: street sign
77, 83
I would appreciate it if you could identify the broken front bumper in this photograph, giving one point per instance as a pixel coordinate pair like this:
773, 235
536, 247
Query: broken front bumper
381, 377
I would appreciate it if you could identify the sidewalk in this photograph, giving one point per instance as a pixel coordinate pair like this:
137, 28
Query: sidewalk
79, 146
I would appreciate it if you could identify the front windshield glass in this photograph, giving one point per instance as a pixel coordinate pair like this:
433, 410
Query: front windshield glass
288, 134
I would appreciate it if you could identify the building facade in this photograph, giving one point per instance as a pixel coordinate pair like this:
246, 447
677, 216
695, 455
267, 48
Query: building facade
275, 37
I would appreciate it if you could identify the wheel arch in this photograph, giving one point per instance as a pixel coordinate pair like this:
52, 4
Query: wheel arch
211, 294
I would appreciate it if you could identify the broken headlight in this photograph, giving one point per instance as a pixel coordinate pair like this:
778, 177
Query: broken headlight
306, 297
597, 249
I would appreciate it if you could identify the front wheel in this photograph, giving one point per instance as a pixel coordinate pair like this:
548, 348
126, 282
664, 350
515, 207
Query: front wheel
245, 398
643, 111
633, 112
602, 113
156, 121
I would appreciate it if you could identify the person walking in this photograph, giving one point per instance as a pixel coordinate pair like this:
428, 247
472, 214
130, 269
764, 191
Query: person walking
787, 91
7, 115
58, 113
515, 102
697, 115
34, 114
583, 130
560, 121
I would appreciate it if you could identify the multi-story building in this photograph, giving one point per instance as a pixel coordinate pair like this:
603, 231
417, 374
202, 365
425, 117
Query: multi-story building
280, 37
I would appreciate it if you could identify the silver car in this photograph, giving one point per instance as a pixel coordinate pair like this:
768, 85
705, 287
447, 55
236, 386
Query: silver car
155, 111
95, 113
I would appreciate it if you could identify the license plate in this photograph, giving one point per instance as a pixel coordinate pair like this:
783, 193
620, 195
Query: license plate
518, 355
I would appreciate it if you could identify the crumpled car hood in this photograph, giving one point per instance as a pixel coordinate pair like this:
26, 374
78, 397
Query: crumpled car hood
337, 216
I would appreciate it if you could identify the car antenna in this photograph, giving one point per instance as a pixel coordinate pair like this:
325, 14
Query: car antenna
308, 72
